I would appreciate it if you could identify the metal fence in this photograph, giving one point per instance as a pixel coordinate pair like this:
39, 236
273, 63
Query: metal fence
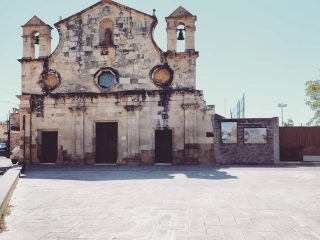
297, 142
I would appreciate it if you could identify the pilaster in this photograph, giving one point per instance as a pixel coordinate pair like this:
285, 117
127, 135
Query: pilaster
78, 113
190, 131
134, 156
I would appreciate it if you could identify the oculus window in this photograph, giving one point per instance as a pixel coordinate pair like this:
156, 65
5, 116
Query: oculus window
255, 135
229, 132
50, 80
162, 75
107, 80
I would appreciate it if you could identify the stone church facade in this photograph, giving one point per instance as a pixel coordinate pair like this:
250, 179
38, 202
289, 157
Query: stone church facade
109, 95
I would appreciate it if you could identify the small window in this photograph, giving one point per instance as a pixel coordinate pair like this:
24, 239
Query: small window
209, 134
255, 135
107, 80
229, 132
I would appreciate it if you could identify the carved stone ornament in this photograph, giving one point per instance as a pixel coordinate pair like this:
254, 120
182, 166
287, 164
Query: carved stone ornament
190, 106
106, 9
132, 108
78, 108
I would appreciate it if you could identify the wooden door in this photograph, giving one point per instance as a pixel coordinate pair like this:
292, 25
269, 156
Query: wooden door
106, 142
163, 146
49, 151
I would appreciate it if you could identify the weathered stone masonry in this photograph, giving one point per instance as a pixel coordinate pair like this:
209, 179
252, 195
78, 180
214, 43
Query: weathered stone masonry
107, 68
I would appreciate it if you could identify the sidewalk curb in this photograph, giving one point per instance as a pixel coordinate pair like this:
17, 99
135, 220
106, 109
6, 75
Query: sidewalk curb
8, 183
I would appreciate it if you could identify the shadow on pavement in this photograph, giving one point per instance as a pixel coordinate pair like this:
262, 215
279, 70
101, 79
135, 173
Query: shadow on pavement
111, 173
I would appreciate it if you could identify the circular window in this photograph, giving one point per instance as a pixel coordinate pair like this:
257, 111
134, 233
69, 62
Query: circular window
162, 75
107, 80
51, 81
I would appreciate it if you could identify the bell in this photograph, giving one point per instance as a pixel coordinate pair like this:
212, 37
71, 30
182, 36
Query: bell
180, 37
36, 40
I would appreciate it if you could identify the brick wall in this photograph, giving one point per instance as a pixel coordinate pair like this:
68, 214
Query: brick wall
246, 153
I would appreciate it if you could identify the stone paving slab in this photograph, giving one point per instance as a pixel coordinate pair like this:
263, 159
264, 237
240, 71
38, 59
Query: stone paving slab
150, 203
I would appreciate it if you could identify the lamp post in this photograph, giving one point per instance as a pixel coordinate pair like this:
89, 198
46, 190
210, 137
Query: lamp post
282, 105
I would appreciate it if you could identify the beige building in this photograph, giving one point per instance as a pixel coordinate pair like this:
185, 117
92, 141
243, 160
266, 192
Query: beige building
108, 94
3, 131
14, 134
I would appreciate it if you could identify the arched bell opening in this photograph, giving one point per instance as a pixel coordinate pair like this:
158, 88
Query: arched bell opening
35, 45
181, 38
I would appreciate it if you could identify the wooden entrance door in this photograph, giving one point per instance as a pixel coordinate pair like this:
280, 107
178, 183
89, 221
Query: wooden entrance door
106, 143
163, 146
49, 150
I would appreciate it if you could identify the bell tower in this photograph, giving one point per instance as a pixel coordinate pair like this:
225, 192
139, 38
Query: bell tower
182, 22
36, 32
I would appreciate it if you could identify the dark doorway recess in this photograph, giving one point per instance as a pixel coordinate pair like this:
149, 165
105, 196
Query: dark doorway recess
163, 146
107, 142
49, 149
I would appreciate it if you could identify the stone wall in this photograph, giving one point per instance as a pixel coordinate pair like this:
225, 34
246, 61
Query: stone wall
247, 153
79, 56
14, 139
138, 115
69, 91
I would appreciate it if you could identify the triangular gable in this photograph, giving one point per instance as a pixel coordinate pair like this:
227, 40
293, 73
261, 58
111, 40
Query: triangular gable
35, 21
180, 12
102, 2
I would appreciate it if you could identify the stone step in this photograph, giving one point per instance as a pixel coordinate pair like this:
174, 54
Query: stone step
133, 162
191, 161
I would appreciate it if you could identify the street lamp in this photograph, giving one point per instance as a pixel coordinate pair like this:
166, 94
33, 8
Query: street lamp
282, 105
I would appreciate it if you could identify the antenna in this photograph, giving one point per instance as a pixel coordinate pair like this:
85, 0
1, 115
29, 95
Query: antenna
225, 107
239, 110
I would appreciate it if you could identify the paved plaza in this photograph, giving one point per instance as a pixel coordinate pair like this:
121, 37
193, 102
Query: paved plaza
166, 202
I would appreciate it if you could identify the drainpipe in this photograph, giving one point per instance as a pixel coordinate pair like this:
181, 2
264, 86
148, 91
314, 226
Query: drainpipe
24, 143
184, 131
9, 135
83, 143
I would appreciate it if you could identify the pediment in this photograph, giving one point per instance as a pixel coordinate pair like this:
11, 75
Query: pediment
180, 12
102, 4
35, 21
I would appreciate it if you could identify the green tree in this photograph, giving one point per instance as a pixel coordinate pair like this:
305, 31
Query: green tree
313, 101
289, 123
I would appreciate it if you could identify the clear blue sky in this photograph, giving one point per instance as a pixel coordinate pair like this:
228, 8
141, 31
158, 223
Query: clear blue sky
265, 49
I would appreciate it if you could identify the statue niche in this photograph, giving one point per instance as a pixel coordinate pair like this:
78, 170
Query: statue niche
106, 33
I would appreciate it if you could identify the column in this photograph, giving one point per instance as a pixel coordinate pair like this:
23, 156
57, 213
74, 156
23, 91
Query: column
190, 38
